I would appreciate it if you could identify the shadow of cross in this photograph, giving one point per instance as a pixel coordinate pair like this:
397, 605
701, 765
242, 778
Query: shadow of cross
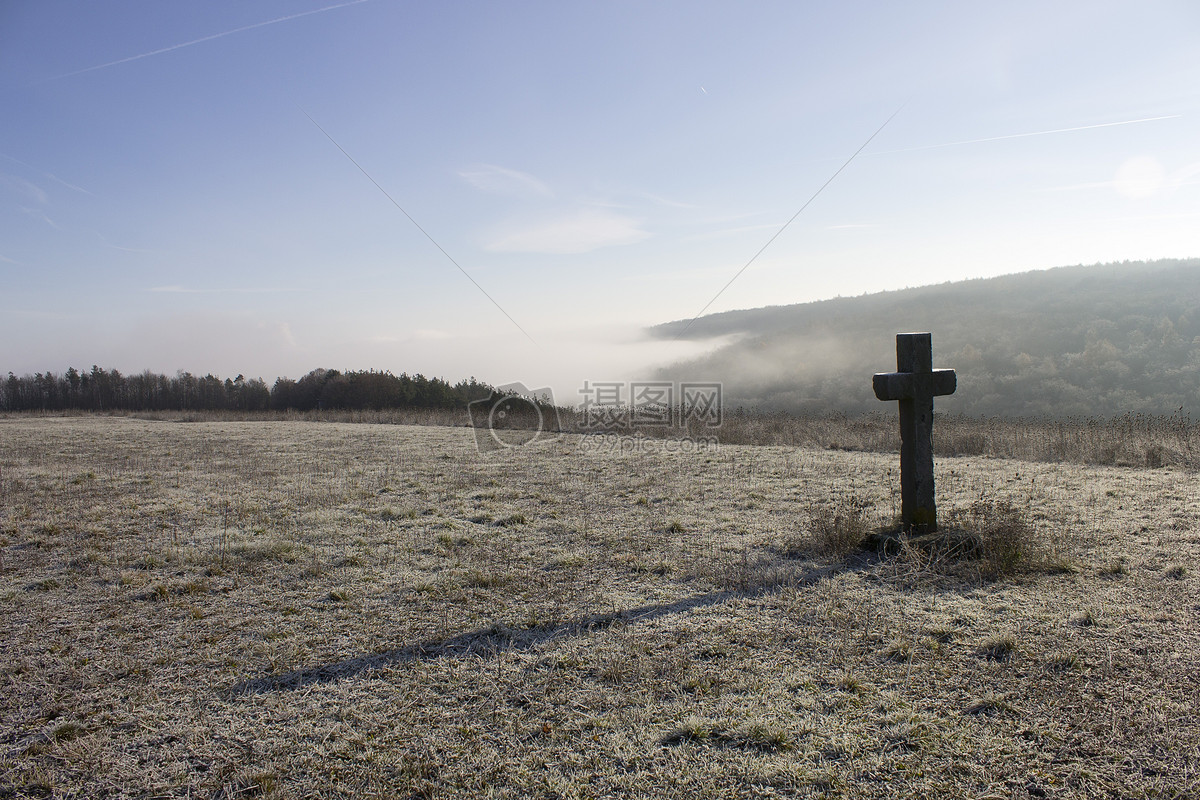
915, 383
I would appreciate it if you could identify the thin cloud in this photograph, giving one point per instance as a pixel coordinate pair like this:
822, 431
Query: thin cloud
1153, 183
1075, 187
431, 333
38, 214
1182, 177
722, 232
178, 289
37, 313
174, 290
502, 180
1154, 217
418, 335
203, 39
579, 233
57, 179
663, 201
641, 198
1028, 134
28, 189
47, 175
285, 332
107, 243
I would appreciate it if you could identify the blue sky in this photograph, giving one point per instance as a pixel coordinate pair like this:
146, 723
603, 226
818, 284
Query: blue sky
167, 203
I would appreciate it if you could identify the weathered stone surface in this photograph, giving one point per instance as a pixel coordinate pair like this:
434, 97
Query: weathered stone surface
914, 384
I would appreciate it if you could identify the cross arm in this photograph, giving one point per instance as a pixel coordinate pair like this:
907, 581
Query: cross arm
892, 385
903, 385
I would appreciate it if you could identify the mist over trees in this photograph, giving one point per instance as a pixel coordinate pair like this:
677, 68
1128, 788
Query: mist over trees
109, 390
1099, 340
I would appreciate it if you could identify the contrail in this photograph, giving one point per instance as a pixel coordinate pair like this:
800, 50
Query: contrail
789, 222
202, 39
44, 174
418, 225
1024, 135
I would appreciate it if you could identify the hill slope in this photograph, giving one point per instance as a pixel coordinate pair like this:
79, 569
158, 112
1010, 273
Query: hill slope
1104, 339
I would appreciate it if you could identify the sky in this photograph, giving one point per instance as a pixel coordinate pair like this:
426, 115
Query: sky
515, 191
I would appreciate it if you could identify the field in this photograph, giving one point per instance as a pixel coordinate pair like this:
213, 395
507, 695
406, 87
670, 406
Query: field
303, 609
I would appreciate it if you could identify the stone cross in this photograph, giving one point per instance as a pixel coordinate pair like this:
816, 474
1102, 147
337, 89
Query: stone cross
914, 384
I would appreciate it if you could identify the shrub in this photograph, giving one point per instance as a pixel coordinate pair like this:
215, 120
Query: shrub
838, 529
997, 532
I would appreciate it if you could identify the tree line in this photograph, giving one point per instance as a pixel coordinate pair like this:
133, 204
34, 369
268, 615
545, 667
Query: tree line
109, 390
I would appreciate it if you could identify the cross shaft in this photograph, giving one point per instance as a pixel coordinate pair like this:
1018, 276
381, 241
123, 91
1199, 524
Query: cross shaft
914, 385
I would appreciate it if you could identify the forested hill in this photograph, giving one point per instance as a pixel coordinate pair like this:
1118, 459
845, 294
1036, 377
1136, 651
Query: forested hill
1096, 340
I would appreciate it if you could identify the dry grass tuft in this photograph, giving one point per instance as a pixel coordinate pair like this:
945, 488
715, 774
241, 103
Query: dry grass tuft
1061, 661
989, 705
761, 736
900, 650
838, 529
999, 535
851, 683
1116, 567
999, 648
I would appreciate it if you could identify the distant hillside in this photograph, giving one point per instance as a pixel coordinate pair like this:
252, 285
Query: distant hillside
1096, 340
